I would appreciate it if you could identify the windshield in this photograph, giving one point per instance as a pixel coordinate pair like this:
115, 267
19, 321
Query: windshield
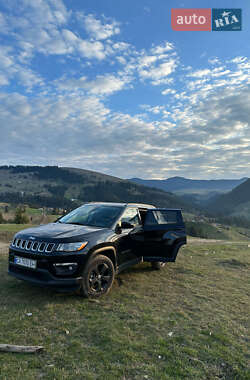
93, 215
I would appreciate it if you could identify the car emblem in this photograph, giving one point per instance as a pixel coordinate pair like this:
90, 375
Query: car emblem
31, 238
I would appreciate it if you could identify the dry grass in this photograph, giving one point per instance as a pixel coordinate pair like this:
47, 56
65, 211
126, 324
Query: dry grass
189, 321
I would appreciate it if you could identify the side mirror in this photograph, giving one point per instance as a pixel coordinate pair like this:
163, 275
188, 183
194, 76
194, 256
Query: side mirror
126, 225
118, 228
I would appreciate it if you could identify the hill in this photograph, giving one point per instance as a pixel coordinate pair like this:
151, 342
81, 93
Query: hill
54, 186
200, 189
234, 203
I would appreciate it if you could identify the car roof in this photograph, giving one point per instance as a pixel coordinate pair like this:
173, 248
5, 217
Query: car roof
142, 205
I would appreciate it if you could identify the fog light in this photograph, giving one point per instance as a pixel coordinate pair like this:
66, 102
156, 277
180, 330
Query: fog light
65, 268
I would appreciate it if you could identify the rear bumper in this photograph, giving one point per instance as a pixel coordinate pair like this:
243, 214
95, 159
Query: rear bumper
45, 279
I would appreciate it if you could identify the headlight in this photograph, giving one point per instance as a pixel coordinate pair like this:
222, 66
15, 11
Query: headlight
71, 247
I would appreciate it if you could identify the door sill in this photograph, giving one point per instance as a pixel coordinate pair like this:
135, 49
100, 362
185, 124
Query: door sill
152, 259
128, 264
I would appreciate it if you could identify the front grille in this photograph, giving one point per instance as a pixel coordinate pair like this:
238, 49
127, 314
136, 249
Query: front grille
34, 246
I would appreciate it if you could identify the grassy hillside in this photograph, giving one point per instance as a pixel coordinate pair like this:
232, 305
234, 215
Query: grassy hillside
189, 321
234, 203
52, 186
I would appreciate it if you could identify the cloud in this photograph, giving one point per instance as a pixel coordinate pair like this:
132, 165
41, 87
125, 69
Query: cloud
201, 140
99, 30
101, 85
168, 91
51, 34
91, 49
200, 73
11, 69
158, 73
105, 84
161, 49
197, 124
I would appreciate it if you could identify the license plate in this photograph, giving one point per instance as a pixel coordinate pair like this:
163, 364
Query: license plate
25, 262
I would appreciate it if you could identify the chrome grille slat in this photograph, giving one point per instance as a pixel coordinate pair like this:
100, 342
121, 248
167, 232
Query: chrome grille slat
34, 246
49, 247
41, 246
18, 243
28, 245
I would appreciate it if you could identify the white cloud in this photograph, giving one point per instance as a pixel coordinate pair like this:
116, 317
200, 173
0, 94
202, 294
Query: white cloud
148, 60
51, 34
158, 72
99, 30
204, 139
161, 49
214, 61
3, 24
200, 73
156, 66
3, 80
101, 85
91, 49
155, 109
121, 46
239, 59
10, 69
6, 59
202, 128
105, 84
69, 36
168, 91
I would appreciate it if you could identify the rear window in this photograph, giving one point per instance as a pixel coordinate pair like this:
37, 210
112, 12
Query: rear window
156, 217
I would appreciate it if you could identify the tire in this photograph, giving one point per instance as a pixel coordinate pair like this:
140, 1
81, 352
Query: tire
158, 265
98, 277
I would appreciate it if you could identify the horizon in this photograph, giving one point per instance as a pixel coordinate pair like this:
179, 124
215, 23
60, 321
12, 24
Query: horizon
131, 178
110, 87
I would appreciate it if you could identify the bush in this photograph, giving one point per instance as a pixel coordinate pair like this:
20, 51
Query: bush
204, 230
1, 218
20, 218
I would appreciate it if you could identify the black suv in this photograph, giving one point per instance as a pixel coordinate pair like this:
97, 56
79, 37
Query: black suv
84, 249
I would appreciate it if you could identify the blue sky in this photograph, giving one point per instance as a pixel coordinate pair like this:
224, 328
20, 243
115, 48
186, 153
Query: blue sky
107, 85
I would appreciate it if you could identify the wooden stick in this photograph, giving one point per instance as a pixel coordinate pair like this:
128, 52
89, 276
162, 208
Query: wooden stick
24, 349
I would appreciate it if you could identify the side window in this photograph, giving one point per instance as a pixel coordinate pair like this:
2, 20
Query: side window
131, 216
156, 217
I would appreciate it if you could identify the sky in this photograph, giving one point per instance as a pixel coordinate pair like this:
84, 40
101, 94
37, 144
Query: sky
107, 85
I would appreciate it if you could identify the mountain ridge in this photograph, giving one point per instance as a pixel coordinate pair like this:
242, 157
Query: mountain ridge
185, 185
55, 186
235, 202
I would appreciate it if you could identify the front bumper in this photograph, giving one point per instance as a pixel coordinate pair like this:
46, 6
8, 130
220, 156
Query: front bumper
45, 275
45, 279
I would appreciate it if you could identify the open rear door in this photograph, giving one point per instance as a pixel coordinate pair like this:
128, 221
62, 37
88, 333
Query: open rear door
163, 234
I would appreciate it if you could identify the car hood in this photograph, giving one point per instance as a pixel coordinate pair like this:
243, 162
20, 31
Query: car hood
57, 231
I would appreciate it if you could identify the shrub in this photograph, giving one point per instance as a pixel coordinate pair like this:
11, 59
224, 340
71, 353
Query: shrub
20, 218
204, 230
1, 218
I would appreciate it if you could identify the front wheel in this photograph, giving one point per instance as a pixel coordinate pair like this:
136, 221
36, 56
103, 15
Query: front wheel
98, 277
158, 265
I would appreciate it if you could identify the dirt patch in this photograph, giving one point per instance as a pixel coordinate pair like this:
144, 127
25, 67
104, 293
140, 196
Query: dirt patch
193, 241
3, 248
6, 236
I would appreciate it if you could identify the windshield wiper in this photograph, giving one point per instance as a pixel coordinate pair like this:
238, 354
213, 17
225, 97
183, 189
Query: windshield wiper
77, 224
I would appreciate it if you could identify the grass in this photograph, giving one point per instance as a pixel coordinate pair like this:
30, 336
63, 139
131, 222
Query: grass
189, 321
7, 231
